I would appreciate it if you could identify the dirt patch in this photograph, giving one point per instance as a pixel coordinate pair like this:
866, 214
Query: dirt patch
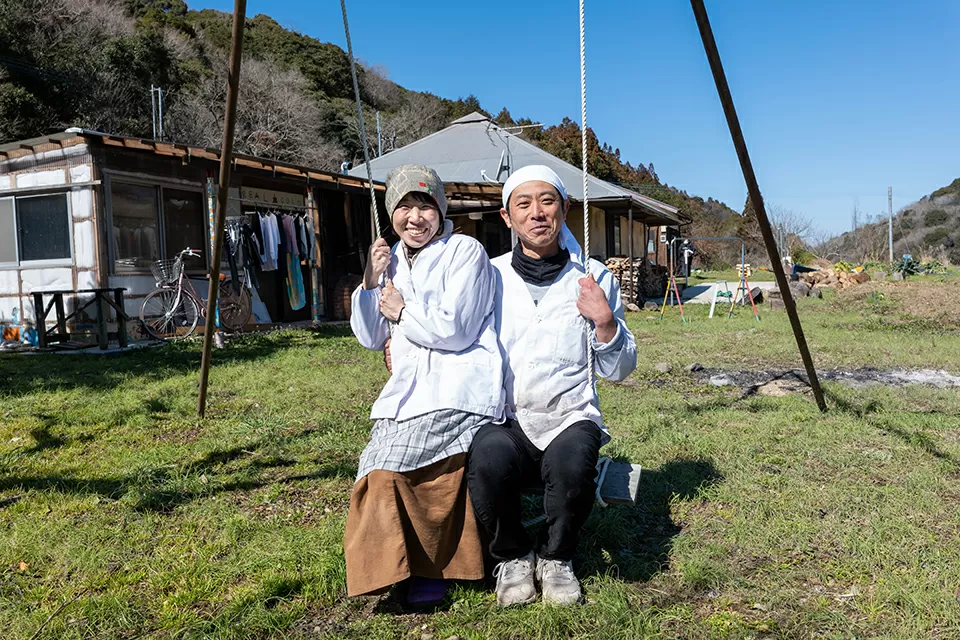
938, 300
784, 382
778, 387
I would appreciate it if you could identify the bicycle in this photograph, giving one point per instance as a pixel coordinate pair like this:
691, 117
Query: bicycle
172, 311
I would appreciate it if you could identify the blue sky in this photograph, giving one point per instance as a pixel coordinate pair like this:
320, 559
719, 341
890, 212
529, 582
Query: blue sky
838, 100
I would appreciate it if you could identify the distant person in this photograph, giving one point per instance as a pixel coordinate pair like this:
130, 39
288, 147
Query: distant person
410, 521
688, 252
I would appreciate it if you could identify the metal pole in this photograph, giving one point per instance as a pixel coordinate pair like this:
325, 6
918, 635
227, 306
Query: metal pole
890, 212
736, 133
160, 109
153, 111
226, 155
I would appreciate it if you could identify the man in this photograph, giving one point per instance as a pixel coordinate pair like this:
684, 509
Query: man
547, 305
688, 251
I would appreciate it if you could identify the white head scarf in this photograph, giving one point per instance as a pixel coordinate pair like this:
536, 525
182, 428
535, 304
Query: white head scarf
531, 173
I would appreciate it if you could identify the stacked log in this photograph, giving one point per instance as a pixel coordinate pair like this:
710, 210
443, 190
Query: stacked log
648, 280
832, 278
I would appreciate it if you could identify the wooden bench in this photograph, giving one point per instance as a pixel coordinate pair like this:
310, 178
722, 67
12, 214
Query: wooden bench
102, 298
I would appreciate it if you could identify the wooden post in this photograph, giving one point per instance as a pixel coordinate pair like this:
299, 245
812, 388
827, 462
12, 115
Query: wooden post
61, 315
40, 319
348, 218
102, 337
633, 281
733, 123
315, 280
226, 156
121, 318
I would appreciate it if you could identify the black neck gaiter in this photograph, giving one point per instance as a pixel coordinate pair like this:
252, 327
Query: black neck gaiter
538, 271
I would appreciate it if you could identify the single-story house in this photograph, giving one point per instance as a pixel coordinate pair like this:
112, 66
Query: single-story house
83, 209
474, 152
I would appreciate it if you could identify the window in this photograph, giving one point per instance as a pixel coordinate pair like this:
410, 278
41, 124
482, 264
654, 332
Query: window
613, 234
153, 221
134, 213
8, 232
35, 229
184, 224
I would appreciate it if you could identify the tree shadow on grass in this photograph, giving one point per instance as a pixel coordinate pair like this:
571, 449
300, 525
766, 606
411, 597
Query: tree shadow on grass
634, 541
43, 438
872, 408
161, 489
22, 374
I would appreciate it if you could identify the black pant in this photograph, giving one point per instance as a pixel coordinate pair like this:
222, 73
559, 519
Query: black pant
503, 462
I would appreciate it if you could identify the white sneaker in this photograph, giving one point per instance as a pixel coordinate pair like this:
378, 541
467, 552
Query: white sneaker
515, 581
557, 581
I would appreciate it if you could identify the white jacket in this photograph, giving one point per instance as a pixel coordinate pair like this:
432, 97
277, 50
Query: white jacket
444, 350
545, 348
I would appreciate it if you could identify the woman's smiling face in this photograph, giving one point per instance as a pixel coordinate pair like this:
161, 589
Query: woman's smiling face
416, 219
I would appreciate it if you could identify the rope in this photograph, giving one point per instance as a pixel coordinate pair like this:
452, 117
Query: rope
585, 250
604, 464
363, 128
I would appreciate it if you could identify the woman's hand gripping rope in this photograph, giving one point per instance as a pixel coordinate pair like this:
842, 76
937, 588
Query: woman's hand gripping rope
377, 264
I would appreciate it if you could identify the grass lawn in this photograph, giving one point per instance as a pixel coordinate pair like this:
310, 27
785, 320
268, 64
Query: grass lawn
731, 275
122, 516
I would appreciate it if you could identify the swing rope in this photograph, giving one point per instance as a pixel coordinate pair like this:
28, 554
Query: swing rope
585, 250
363, 128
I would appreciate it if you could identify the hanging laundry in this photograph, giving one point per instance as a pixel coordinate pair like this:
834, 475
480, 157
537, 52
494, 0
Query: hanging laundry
295, 292
232, 245
271, 241
251, 253
304, 249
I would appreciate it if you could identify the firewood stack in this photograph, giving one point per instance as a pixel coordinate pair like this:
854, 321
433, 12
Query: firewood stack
834, 278
648, 280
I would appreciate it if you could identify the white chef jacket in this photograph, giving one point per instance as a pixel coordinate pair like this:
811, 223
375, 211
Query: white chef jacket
545, 348
444, 350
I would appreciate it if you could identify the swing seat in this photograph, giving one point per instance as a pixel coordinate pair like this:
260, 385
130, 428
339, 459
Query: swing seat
619, 483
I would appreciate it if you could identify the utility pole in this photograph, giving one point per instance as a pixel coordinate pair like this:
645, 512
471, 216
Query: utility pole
890, 213
153, 109
156, 109
160, 105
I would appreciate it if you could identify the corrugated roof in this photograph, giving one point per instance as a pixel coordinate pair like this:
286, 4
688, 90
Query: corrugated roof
78, 136
474, 149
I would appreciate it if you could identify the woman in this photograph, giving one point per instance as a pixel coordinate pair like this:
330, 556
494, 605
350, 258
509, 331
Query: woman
410, 519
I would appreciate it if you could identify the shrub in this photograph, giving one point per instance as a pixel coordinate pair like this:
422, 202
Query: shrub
802, 256
954, 257
936, 236
935, 217
906, 223
934, 267
875, 265
907, 266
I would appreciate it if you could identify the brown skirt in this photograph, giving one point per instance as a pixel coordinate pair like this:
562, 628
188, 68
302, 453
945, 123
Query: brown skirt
417, 523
